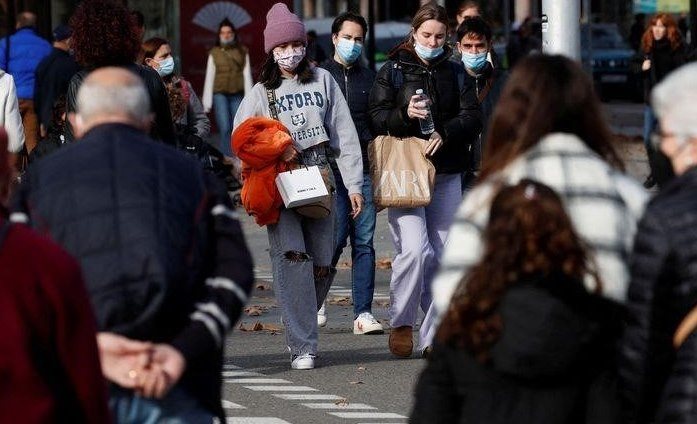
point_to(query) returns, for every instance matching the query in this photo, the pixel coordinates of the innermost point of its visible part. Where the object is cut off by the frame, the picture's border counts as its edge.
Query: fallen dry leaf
(383, 303)
(343, 265)
(255, 310)
(361, 368)
(263, 286)
(383, 263)
(342, 402)
(340, 300)
(355, 382)
(258, 326)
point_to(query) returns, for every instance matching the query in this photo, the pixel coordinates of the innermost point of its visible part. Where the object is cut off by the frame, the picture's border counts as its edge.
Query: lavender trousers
(419, 235)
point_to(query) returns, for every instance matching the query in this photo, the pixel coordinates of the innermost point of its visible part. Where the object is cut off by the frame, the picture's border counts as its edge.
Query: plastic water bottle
(427, 125)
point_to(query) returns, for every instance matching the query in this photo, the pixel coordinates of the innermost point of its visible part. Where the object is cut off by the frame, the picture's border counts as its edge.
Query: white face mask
(290, 58)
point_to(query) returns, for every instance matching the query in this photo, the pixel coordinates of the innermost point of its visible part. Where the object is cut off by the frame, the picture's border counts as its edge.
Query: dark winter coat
(162, 128)
(663, 290)
(355, 83)
(553, 363)
(496, 78)
(664, 60)
(455, 109)
(163, 256)
(53, 76)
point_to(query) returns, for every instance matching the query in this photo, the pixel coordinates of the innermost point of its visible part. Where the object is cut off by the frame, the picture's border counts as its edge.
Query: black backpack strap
(397, 76)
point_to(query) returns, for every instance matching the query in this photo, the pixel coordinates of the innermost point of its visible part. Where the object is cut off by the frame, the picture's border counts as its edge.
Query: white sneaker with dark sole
(322, 316)
(306, 361)
(367, 324)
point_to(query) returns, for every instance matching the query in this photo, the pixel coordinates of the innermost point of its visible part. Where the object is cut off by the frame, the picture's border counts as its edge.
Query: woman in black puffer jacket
(422, 62)
(659, 376)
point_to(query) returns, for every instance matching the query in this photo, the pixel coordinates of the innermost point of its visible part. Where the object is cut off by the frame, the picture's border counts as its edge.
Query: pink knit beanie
(282, 27)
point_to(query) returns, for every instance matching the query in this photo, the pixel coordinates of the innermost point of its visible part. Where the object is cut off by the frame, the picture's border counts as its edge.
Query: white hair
(126, 97)
(674, 101)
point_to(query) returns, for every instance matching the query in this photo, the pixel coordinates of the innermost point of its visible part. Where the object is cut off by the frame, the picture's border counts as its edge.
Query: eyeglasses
(657, 137)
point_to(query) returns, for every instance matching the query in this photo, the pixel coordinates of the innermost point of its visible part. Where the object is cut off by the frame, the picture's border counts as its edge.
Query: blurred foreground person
(50, 366)
(523, 340)
(659, 352)
(548, 126)
(163, 256)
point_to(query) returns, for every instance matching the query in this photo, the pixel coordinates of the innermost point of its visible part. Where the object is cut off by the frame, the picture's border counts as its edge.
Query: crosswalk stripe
(311, 396)
(281, 388)
(255, 420)
(332, 405)
(257, 381)
(232, 405)
(230, 374)
(231, 367)
(368, 415)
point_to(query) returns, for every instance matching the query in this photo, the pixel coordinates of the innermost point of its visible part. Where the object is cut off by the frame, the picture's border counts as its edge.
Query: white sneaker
(306, 361)
(367, 324)
(322, 316)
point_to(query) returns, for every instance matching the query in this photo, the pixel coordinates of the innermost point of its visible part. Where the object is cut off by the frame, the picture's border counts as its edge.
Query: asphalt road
(356, 380)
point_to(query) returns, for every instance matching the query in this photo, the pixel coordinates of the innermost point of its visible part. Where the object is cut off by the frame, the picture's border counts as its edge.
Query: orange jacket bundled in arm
(259, 143)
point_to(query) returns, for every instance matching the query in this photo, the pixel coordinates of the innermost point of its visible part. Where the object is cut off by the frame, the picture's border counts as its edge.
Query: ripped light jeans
(301, 252)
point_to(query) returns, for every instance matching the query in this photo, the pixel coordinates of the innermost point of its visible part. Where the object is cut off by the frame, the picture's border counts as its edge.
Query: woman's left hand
(434, 143)
(356, 204)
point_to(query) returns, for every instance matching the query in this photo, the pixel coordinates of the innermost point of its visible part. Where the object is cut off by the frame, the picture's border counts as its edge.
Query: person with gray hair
(162, 253)
(659, 350)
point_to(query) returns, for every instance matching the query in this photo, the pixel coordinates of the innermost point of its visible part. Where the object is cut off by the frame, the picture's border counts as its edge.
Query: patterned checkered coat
(603, 203)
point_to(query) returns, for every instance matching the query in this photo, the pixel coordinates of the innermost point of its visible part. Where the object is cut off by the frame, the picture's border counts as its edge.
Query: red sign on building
(199, 22)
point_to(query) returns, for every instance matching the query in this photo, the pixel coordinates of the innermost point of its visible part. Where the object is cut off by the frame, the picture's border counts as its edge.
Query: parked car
(387, 35)
(610, 59)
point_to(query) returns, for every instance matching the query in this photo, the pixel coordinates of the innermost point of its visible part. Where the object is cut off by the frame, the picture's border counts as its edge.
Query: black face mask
(661, 168)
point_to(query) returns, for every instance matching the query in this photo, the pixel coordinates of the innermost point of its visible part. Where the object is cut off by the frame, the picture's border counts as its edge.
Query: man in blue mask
(474, 44)
(355, 80)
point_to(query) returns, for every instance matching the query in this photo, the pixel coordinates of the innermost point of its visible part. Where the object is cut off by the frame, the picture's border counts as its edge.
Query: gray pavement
(356, 379)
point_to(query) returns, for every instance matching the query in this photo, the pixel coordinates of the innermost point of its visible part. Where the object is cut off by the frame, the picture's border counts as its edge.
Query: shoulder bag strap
(271, 97)
(686, 327)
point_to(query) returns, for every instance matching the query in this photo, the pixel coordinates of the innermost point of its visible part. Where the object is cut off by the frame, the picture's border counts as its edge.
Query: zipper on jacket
(346, 87)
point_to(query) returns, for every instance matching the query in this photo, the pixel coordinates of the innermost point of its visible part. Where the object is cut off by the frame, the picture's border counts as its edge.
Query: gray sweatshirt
(313, 113)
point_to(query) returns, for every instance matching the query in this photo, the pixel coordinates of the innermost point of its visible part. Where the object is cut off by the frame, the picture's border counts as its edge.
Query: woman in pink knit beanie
(308, 101)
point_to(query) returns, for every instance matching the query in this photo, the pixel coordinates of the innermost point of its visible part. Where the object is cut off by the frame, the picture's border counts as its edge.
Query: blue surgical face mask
(427, 53)
(166, 66)
(474, 61)
(348, 50)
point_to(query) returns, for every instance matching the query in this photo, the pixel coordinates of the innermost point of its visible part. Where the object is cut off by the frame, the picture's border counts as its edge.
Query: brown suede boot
(401, 343)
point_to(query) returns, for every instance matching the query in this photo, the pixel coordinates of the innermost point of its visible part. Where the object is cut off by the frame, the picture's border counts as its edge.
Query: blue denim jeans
(178, 407)
(649, 126)
(301, 250)
(360, 232)
(225, 107)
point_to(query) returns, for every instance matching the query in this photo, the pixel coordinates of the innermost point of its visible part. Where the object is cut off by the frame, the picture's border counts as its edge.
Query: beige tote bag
(402, 175)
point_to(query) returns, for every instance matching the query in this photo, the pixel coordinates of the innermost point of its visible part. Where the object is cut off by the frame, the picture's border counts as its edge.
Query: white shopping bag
(301, 186)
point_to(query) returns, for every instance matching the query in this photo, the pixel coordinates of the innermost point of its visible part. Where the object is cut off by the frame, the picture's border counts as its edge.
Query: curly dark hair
(529, 235)
(105, 33)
